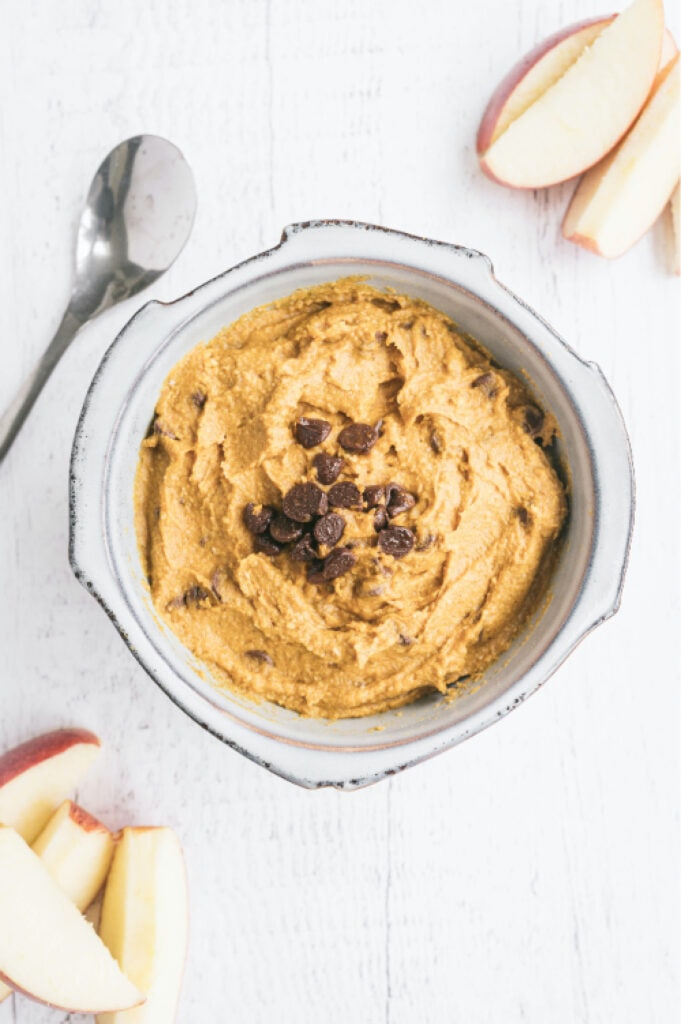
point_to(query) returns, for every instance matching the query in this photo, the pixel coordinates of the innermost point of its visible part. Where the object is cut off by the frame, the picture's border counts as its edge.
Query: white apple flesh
(676, 229)
(144, 921)
(669, 50)
(619, 199)
(48, 951)
(36, 776)
(584, 114)
(536, 72)
(76, 849)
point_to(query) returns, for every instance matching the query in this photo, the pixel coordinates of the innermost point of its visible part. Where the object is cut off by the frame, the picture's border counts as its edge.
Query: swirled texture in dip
(462, 436)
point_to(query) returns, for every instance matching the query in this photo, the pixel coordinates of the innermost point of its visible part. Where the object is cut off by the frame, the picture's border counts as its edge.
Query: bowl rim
(434, 739)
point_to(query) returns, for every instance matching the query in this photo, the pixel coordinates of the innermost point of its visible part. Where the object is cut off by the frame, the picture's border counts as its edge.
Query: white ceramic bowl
(593, 445)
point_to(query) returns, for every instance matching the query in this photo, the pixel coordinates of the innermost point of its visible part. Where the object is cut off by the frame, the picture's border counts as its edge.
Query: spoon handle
(12, 420)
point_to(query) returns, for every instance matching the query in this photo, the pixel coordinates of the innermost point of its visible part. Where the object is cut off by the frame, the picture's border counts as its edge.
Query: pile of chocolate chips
(306, 520)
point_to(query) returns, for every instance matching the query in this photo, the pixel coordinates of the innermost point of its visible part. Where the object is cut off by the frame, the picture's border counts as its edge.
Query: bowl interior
(510, 348)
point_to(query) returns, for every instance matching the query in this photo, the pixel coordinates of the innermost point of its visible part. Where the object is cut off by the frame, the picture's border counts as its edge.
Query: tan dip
(343, 504)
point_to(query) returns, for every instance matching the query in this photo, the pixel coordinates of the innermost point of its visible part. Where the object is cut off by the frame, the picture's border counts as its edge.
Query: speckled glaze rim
(314, 765)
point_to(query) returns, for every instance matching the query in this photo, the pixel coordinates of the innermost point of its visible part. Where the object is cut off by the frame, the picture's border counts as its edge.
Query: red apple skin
(493, 177)
(586, 243)
(39, 749)
(85, 820)
(22, 991)
(517, 73)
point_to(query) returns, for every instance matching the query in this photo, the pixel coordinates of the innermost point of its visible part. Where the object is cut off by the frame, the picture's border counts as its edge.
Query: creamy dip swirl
(462, 436)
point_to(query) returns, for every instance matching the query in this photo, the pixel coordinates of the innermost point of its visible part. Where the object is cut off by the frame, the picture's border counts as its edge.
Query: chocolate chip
(345, 495)
(425, 542)
(311, 432)
(303, 551)
(304, 501)
(435, 443)
(389, 304)
(257, 517)
(338, 563)
(199, 399)
(399, 500)
(406, 641)
(523, 515)
(328, 467)
(195, 594)
(261, 656)
(315, 572)
(374, 495)
(396, 541)
(264, 545)
(380, 519)
(329, 529)
(358, 437)
(487, 382)
(161, 428)
(380, 337)
(534, 420)
(284, 530)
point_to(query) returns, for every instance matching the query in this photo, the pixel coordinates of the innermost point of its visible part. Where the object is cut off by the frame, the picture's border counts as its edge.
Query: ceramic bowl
(593, 447)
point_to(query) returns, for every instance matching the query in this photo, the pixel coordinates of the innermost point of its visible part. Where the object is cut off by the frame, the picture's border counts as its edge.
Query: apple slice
(540, 69)
(581, 117)
(619, 199)
(669, 50)
(676, 229)
(144, 921)
(36, 776)
(533, 75)
(76, 849)
(48, 951)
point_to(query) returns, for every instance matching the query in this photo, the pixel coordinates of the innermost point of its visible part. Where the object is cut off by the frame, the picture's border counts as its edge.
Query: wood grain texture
(527, 876)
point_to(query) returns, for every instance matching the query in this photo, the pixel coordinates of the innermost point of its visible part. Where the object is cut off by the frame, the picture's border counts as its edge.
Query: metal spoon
(137, 218)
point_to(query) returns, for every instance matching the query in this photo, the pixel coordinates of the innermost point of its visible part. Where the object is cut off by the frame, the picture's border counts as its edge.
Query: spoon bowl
(137, 218)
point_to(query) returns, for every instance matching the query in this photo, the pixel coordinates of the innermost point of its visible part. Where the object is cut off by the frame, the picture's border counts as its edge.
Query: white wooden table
(529, 875)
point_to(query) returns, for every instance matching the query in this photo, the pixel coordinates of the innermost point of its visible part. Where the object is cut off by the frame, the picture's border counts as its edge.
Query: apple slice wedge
(144, 921)
(76, 849)
(48, 951)
(36, 776)
(536, 72)
(619, 199)
(539, 69)
(585, 113)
